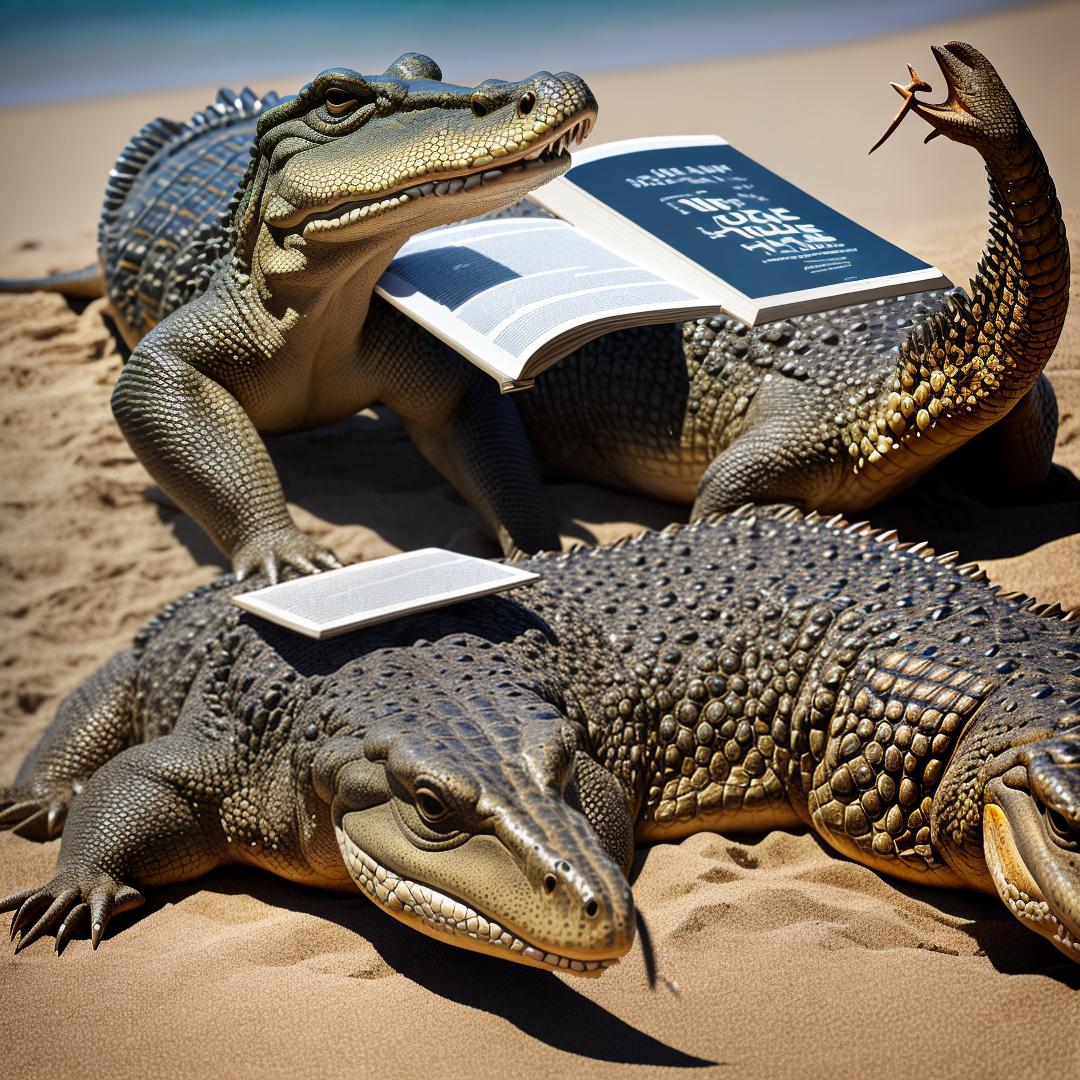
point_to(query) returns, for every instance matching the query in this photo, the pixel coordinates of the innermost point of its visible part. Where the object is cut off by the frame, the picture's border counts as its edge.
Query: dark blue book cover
(740, 221)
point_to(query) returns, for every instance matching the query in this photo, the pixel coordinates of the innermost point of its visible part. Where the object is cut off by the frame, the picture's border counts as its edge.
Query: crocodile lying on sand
(840, 410)
(481, 772)
(245, 245)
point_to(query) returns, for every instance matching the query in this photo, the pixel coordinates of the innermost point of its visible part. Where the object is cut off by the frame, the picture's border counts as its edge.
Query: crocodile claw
(978, 108)
(34, 813)
(917, 83)
(285, 549)
(65, 905)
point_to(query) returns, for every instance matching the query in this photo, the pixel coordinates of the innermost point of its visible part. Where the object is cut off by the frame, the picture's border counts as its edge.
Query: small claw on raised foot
(274, 553)
(35, 827)
(16, 813)
(916, 84)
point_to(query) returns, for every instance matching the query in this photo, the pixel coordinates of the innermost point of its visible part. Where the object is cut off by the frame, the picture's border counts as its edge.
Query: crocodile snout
(587, 913)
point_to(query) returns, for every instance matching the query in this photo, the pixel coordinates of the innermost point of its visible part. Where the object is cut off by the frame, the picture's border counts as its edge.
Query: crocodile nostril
(526, 103)
(479, 106)
(551, 883)
(592, 909)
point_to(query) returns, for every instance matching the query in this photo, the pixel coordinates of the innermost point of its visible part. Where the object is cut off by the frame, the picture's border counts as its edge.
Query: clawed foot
(978, 108)
(272, 553)
(72, 903)
(35, 811)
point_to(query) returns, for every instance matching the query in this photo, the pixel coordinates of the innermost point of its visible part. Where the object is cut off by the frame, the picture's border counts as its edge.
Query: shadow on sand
(364, 471)
(542, 1006)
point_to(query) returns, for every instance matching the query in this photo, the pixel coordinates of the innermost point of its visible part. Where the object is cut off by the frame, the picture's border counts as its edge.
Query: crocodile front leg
(92, 725)
(199, 444)
(466, 429)
(1014, 455)
(143, 818)
(483, 451)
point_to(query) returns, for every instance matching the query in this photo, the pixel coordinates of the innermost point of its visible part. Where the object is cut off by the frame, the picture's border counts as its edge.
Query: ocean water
(84, 48)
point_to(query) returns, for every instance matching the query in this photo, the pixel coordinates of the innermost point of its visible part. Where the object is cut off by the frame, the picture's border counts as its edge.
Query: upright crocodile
(239, 252)
(833, 411)
(481, 772)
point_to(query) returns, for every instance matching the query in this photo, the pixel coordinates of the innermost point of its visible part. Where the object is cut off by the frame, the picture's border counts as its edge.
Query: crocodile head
(485, 825)
(978, 110)
(352, 165)
(1007, 813)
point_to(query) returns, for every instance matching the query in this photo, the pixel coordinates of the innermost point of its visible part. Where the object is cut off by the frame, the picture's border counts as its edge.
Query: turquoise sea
(82, 48)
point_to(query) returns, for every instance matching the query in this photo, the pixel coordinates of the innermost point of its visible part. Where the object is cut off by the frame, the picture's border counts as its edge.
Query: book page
(335, 601)
(698, 210)
(516, 294)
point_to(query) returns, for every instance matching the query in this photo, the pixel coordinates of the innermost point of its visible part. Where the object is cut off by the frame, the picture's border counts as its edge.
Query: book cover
(760, 234)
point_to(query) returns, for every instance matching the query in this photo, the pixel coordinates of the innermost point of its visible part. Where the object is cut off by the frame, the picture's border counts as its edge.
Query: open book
(650, 230)
(336, 601)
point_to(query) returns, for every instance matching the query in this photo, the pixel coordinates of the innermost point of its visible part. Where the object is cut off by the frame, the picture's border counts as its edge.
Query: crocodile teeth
(410, 901)
(535, 159)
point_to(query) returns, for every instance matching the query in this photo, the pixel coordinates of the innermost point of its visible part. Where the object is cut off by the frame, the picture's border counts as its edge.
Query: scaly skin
(265, 323)
(841, 410)
(481, 771)
(833, 411)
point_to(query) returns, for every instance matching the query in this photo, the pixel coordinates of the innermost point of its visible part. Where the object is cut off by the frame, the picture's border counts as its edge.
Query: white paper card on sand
(336, 601)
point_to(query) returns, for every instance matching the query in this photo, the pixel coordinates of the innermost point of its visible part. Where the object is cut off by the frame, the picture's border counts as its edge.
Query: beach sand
(774, 957)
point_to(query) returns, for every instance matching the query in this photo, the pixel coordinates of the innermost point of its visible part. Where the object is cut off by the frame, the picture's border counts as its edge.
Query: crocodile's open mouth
(1017, 888)
(446, 918)
(545, 157)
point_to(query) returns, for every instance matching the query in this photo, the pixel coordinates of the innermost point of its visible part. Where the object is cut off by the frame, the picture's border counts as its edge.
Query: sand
(774, 957)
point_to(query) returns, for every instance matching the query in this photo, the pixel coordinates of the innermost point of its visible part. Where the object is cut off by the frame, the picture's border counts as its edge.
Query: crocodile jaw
(1015, 885)
(490, 177)
(446, 918)
(520, 172)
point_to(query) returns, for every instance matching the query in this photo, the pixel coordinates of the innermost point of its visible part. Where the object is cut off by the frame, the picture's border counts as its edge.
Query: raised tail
(85, 284)
(964, 367)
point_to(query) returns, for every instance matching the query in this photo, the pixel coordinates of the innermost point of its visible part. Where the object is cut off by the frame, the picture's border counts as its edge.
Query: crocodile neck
(306, 306)
(966, 366)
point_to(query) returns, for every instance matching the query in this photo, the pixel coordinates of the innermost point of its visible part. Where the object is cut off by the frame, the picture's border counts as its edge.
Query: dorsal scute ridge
(164, 135)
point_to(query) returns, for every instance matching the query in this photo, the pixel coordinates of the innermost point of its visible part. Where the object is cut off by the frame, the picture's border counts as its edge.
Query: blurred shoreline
(809, 114)
(69, 50)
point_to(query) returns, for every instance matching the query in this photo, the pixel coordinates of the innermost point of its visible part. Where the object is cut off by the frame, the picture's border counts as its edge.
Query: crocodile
(239, 252)
(833, 411)
(482, 772)
(837, 411)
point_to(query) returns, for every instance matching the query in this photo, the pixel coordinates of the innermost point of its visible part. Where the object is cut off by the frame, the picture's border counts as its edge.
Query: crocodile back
(165, 222)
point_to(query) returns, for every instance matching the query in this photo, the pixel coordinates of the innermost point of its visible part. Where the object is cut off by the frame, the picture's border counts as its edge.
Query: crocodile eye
(526, 103)
(338, 101)
(430, 804)
(479, 105)
(1057, 825)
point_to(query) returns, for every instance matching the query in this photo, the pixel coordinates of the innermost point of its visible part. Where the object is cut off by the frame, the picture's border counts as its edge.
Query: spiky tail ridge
(964, 367)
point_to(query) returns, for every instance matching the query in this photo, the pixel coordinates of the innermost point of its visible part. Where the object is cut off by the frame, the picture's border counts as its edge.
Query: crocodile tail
(85, 284)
